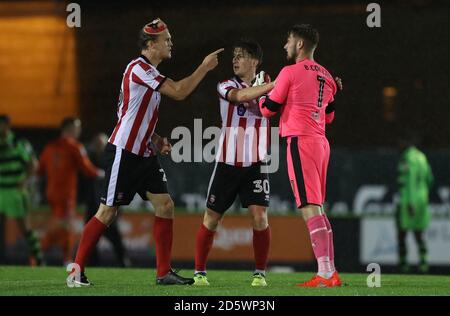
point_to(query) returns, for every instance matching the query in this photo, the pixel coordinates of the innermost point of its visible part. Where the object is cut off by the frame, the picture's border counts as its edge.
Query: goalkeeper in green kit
(415, 179)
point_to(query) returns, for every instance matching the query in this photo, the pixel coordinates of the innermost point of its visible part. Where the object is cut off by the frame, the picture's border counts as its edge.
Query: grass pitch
(109, 281)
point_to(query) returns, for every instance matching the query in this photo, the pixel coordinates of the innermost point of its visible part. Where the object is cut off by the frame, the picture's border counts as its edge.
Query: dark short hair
(4, 118)
(251, 47)
(68, 122)
(308, 33)
(144, 38)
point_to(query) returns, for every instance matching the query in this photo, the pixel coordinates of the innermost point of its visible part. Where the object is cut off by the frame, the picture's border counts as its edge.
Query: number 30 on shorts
(261, 185)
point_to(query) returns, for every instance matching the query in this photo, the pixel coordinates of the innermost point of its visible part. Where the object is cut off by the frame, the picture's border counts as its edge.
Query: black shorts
(227, 182)
(127, 174)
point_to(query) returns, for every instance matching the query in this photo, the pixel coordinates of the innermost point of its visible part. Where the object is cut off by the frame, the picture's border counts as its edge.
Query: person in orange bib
(60, 162)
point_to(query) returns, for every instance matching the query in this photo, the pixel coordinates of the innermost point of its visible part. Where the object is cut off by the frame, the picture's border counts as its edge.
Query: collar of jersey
(146, 59)
(241, 81)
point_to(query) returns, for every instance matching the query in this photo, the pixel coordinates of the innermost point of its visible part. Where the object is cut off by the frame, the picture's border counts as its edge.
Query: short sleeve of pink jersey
(149, 77)
(280, 92)
(224, 87)
(334, 88)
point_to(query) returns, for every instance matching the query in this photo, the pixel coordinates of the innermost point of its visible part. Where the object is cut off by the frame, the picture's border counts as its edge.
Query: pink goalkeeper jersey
(304, 90)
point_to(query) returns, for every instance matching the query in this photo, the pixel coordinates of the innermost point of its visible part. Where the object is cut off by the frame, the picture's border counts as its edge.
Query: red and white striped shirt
(245, 135)
(137, 110)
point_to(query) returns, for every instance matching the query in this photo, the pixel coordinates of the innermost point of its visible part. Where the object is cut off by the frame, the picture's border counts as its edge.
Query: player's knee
(260, 221)
(165, 207)
(259, 217)
(211, 223)
(211, 220)
(106, 214)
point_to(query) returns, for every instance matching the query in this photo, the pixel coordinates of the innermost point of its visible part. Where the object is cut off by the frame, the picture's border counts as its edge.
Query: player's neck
(302, 56)
(248, 78)
(152, 58)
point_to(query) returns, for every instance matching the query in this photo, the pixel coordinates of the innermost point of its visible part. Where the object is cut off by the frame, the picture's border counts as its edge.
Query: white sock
(201, 272)
(325, 270)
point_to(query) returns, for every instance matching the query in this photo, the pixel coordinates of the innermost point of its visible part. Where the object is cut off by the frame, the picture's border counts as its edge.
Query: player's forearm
(248, 94)
(185, 86)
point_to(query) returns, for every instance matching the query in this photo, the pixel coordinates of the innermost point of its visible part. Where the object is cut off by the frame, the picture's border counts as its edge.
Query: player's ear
(151, 44)
(300, 44)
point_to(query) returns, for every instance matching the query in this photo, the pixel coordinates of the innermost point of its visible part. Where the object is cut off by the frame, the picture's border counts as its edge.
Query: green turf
(108, 281)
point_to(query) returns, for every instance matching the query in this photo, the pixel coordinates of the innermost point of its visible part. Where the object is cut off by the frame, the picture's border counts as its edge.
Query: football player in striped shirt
(130, 156)
(238, 170)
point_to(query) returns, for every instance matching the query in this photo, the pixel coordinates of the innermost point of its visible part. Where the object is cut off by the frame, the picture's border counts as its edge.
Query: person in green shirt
(17, 164)
(414, 179)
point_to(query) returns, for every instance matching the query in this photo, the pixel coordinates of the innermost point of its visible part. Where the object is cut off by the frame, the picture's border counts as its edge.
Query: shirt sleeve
(147, 76)
(224, 87)
(280, 92)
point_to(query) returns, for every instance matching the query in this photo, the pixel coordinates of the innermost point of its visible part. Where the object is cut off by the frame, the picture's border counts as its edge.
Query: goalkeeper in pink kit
(303, 94)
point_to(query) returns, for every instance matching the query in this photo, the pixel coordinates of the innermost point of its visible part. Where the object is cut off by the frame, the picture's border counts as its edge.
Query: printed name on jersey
(317, 68)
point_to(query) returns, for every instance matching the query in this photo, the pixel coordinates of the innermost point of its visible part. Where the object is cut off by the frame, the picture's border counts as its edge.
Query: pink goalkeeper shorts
(307, 161)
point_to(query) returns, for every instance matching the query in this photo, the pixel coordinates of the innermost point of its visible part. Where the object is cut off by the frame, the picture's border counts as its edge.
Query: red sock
(330, 240)
(319, 241)
(89, 238)
(204, 242)
(261, 244)
(163, 235)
